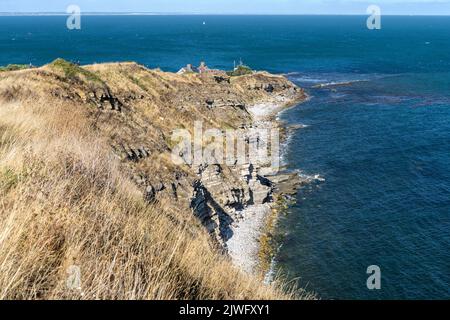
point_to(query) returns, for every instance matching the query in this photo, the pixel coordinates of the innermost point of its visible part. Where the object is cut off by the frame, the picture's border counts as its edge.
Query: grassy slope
(66, 199)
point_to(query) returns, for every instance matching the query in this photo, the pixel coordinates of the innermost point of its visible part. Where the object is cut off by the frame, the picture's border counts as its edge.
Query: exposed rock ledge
(235, 212)
(243, 247)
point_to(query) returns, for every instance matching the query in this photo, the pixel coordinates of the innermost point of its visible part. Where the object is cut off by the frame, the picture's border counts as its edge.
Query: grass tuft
(73, 71)
(8, 179)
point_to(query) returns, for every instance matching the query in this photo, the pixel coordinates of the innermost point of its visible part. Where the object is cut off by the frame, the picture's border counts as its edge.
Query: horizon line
(144, 13)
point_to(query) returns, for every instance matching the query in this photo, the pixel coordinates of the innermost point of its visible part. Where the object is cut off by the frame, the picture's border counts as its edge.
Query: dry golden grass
(64, 201)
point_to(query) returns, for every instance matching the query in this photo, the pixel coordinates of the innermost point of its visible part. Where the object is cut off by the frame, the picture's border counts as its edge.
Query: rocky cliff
(135, 111)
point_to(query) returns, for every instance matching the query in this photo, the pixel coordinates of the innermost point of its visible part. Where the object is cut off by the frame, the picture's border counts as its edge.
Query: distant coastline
(37, 14)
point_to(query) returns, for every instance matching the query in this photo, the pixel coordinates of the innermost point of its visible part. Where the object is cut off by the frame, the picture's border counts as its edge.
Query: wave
(299, 126)
(324, 80)
(288, 139)
(295, 77)
(310, 178)
(338, 83)
(270, 275)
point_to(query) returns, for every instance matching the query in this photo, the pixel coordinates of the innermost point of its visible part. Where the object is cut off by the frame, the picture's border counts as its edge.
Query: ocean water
(381, 143)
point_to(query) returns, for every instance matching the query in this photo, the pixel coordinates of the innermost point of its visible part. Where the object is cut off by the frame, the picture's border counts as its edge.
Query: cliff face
(136, 110)
(133, 111)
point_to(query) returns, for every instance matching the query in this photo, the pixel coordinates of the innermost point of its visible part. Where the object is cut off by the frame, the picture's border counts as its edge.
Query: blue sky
(233, 6)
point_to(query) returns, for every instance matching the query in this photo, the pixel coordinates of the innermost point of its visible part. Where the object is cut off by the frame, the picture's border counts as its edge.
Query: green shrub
(14, 67)
(240, 71)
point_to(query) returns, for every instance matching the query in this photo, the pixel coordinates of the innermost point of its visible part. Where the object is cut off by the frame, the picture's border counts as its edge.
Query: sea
(375, 135)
